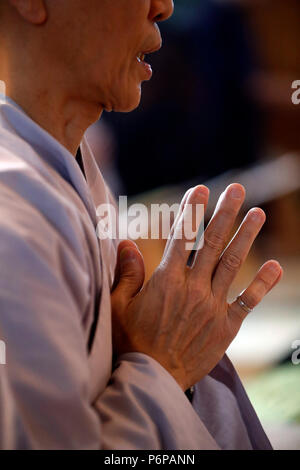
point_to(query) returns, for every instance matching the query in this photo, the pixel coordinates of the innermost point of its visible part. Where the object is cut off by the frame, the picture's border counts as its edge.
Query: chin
(130, 103)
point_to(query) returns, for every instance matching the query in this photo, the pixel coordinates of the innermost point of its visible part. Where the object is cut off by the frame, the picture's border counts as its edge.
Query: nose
(161, 10)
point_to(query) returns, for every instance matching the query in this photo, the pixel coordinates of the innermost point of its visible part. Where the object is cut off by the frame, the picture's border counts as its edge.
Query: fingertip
(258, 214)
(274, 267)
(121, 245)
(127, 254)
(202, 190)
(280, 276)
(236, 191)
(127, 244)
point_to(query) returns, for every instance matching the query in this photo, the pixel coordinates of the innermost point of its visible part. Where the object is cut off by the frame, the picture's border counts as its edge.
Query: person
(93, 359)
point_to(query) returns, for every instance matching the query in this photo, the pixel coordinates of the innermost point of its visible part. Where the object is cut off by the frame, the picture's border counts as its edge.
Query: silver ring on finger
(243, 305)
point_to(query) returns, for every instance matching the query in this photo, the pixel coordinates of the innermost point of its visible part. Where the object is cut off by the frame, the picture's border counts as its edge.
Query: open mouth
(147, 70)
(141, 57)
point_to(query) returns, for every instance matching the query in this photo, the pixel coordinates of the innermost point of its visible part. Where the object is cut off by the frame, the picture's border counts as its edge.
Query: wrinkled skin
(78, 58)
(181, 317)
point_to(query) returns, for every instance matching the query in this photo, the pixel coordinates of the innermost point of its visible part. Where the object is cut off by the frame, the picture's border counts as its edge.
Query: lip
(154, 49)
(147, 70)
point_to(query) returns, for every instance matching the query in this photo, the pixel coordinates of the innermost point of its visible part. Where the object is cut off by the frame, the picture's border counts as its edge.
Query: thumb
(130, 272)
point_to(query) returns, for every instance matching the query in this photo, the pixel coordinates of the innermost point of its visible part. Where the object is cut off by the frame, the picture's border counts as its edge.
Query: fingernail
(200, 191)
(126, 256)
(275, 267)
(257, 214)
(236, 193)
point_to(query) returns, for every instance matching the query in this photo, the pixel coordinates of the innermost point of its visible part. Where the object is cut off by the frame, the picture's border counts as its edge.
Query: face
(98, 46)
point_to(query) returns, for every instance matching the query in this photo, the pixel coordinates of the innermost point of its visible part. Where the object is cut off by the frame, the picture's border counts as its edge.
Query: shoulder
(35, 202)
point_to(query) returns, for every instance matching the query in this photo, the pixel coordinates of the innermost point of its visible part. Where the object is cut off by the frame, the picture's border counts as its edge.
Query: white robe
(55, 279)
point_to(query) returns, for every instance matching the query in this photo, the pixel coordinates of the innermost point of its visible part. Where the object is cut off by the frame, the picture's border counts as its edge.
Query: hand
(181, 317)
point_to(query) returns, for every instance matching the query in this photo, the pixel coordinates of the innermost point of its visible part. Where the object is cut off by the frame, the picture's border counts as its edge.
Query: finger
(267, 277)
(178, 215)
(218, 230)
(190, 218)
(122, 245)
(237, 251)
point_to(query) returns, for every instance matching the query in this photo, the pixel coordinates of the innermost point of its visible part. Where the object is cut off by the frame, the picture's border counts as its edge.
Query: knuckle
(266, 280)
(226, 212)
(265, 283)
(231, 261)
(214, 241)
(197, 293)
(167, 277)
(248, 231)
(251, 299)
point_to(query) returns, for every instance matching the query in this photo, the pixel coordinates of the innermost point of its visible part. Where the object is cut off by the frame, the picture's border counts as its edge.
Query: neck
(54, 104)
(65, 118)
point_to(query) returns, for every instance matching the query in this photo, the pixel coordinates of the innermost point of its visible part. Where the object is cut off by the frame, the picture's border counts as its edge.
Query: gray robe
(55, 281)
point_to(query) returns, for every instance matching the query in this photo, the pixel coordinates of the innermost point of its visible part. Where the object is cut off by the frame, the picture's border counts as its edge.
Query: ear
(33, 11)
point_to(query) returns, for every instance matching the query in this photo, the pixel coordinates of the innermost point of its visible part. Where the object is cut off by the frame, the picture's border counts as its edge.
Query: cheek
(126, 75)
(126, 91)
(120, 70)
(118, 83)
